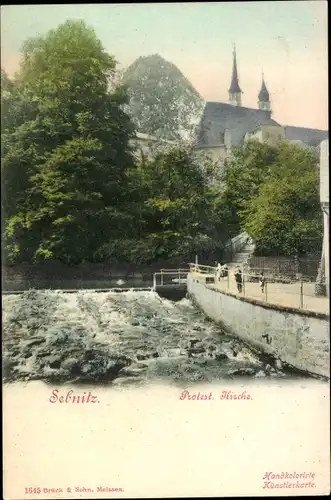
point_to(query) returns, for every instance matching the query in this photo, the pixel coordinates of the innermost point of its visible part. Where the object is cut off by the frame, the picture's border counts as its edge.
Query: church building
(227, 125)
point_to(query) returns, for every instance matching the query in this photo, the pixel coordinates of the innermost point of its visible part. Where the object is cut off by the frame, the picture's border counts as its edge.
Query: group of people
(222, 271)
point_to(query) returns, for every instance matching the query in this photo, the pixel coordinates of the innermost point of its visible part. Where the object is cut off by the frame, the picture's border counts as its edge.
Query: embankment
(297, 337)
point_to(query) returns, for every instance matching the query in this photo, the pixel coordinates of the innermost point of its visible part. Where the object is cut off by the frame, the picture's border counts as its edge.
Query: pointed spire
(234, 87)
(263, 94)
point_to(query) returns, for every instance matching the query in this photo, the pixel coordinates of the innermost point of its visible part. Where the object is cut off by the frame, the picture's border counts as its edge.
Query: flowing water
(132, 337)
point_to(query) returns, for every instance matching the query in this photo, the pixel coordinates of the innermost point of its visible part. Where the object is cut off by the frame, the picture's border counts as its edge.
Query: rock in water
(162, 101)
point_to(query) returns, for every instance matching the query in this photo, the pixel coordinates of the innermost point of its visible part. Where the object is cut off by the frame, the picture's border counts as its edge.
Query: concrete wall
(148, 145)
(271, 134)
(298, 338)
(215, 153)
(237, 243)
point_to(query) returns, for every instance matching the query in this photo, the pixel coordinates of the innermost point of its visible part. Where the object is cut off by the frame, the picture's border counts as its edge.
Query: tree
(162, 101)
(249, 167)
(284, 217)
(66, 148)
(176, 213)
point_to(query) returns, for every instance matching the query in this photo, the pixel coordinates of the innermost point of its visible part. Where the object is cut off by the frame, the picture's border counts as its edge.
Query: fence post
(161, 277)
(265, 290)
(154, 282)
(301, 294)
(243, 279)
(179, 277)
(228, 279)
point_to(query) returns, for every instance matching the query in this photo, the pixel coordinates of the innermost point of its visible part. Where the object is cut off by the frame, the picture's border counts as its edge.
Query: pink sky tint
(295, 100)
(297, 83)
(287, 39)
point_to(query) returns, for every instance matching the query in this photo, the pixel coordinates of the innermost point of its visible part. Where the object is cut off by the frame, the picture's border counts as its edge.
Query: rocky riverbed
(118, 338)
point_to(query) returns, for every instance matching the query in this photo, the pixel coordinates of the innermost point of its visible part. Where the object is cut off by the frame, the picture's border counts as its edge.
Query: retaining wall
(296, 337)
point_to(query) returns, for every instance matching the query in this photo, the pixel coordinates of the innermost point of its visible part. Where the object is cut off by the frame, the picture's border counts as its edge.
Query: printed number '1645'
(32, 490)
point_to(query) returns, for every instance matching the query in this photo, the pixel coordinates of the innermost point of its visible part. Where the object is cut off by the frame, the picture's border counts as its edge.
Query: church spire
(263, 97)
(235, 90)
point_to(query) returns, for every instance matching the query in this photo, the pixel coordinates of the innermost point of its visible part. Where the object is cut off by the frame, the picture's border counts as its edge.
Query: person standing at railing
(239, 279)
(262, 281)
(225, 271)
(218, 272)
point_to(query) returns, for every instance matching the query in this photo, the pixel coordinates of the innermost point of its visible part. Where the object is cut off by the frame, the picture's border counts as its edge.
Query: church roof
(263, 94)
(310, 136)
(234, 87)
(218, 116)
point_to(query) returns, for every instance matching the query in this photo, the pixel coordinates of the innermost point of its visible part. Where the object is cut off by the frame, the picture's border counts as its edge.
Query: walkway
(287, 295)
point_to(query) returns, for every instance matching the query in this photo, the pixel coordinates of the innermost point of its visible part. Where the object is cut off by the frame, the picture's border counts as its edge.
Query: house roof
(218, 116)
(310, 136)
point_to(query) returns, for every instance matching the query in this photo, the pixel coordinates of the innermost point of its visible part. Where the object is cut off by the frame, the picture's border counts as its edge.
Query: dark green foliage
(72, 190)
(275, 196)
(66, 149)
(176, 212)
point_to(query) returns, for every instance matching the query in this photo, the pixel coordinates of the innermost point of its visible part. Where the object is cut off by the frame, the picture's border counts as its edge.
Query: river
(127, 339)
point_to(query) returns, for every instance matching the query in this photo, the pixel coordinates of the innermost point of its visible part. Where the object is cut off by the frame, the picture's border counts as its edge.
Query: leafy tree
(284, 217)
(249, 167)
(177, 214)
(162, 101)
(66, 146)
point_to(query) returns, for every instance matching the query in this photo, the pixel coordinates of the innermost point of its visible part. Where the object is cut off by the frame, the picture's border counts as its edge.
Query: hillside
(162, 101)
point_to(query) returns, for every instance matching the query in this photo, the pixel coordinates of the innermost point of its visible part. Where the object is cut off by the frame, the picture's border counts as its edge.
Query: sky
(285, 39)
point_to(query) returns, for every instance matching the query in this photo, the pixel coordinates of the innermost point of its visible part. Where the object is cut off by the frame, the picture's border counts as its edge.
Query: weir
(171, 283)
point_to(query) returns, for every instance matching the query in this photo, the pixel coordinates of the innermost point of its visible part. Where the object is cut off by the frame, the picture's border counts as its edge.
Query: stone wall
(90, 275)
(296, 337)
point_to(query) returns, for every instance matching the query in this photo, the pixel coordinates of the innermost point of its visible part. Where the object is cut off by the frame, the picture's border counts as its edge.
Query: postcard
(165, 250)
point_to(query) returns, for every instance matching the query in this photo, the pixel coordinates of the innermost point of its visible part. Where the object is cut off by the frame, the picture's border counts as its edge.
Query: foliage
(74, 191)
(162, 101)
(176, 213)
(66, 148)
(276, 198)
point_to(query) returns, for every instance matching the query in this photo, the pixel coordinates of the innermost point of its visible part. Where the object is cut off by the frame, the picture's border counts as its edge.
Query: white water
(128, 324)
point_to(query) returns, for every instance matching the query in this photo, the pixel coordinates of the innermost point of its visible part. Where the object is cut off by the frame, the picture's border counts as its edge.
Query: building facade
(239, 123)
(147, 146)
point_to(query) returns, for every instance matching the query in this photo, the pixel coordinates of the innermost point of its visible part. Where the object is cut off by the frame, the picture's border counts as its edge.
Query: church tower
(264, 99)
(234, 90)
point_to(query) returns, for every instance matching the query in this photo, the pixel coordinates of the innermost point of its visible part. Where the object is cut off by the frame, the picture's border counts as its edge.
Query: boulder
(198, 349)
(219, 355)
(147, 355)
(70, 364)
(242, 371)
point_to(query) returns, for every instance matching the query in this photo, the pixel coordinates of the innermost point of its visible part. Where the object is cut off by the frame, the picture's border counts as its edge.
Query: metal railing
(292, 292)
(177, 277)
(200, 268)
